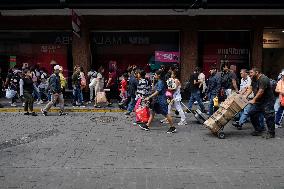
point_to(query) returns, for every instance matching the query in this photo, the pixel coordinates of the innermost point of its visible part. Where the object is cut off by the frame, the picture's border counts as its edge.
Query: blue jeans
(195, 96)
(269, 114)
(279, 115)
(131, 104)
(77, 95)
(244, 115)
(211, 103)
(36, 94)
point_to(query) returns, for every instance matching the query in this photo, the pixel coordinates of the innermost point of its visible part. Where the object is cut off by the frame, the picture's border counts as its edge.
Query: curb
(13, 110)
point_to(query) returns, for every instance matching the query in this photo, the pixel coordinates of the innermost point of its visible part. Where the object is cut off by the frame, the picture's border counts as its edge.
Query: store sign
(233, 51)
(163, 56)
(275, 41)
(119, 40)
(49, 48)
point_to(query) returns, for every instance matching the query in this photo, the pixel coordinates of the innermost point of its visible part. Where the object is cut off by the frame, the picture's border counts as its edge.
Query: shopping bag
(142, 114)
(10, 93)
(101, 97)
(281, 100)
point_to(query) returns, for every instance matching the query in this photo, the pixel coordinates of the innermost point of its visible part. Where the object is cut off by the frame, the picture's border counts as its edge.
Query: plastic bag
(142, 114)
(10, 93)
(101, 97)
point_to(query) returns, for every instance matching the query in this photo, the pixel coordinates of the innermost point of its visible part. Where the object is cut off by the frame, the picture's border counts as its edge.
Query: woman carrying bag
(98, 84)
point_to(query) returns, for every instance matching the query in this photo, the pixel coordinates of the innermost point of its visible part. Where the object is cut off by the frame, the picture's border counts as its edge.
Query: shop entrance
(146, 49)
(219, 47)
(273, 52)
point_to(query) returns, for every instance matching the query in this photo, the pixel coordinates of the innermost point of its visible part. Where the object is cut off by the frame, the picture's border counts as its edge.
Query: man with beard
(263, 102)
(213, 88)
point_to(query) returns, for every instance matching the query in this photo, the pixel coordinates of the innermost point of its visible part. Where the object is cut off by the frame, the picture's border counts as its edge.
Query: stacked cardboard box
(228, 109)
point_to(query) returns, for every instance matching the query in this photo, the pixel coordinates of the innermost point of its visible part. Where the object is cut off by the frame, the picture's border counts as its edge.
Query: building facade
(145, 37)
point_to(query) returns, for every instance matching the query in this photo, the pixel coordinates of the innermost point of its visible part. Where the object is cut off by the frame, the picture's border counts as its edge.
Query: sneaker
(33, 114)
(163, 120)
(182, 123)
(172, 130)
(61, 113)
(144, 127)
(82, 106)
(44, 113)
(268, 136)
(40, 102)
(23, 104)
(97, 106)
(236, 124)
(277, 126)
(27, 113)
(257, 133)
(13, 105)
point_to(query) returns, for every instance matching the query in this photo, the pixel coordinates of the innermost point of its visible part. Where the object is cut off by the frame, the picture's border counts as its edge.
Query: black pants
(29, 102)
(113, 93)
(269, 114)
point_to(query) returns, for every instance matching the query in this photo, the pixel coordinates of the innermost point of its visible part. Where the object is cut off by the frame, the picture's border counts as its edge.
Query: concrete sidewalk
(68, 107)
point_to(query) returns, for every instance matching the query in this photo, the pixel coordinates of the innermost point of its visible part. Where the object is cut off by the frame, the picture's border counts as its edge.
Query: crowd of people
(159, 92)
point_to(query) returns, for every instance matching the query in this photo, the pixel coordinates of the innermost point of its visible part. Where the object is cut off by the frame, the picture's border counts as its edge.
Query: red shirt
(123, 84)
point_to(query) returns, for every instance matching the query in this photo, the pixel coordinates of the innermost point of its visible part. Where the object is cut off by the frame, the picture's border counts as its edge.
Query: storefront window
(147, 50)
(34, 49)
(220, 47)
(273, 52)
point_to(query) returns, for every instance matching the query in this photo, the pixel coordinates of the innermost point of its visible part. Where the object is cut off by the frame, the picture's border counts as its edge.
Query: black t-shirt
(263, 83)
(194, 87)
(28, 85)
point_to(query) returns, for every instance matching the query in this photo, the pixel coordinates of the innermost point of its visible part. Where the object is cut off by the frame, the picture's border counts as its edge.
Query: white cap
(282, 73)
(57, 67)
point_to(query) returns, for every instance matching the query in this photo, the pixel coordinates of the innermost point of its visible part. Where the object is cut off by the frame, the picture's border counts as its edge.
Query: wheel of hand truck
(221, 135)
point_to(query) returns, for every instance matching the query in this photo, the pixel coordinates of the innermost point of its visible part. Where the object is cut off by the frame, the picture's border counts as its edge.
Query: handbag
(10, 93)
(101, 97)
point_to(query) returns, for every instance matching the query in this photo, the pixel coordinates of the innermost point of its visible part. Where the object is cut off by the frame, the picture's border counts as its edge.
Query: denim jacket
(54, 83)
(214, 84)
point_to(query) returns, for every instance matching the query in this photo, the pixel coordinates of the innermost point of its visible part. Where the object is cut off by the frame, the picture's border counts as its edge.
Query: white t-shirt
(246, 83)
(201, 77)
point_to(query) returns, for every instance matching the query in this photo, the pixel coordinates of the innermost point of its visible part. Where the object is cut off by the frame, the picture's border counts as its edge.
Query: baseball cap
(57, 67)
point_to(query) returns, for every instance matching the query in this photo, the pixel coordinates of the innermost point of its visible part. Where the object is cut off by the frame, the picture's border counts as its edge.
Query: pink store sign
(163, 56)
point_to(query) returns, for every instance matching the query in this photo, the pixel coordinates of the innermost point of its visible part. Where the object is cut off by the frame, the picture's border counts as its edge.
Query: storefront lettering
(49, 48)
(233, 51)
(108, 40)
(271, 41)
(112, 40)
(139, 40)
(63, 40)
